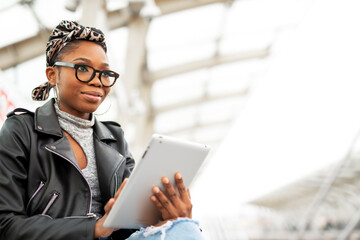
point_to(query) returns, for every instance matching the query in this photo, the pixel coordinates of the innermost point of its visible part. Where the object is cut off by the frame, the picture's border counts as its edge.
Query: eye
(83, 68)
(108, 74)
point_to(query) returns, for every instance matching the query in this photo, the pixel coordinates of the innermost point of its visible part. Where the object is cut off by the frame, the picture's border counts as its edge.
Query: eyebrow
(88, 61)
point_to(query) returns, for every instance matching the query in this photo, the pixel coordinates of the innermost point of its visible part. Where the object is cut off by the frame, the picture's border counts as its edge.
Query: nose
(96, 80)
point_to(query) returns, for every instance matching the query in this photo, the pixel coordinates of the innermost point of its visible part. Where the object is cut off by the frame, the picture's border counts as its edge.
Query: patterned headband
(65, 32)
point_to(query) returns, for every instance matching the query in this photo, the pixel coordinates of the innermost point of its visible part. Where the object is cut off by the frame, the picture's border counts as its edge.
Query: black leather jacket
(43, 194)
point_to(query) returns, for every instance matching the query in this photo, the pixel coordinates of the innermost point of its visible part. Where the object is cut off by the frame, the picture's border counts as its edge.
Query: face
(79, 98)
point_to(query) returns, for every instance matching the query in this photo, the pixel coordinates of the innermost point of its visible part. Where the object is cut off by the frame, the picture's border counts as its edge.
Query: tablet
(164, 156)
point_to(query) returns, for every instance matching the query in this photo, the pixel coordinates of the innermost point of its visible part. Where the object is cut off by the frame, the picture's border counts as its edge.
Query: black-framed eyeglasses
(85, 73)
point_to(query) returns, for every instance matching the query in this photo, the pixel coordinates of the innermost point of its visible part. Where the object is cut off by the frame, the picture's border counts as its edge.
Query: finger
(188, 192)
(165, 202)
(121, 188)
(159, 206)
(173, 196)
(109, 205)
(181, 187)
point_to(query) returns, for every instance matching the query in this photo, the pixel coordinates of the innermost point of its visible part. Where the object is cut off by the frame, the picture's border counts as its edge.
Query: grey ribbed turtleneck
(81, 130)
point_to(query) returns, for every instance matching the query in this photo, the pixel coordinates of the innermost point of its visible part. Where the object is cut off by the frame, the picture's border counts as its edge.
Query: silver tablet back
(164, 156)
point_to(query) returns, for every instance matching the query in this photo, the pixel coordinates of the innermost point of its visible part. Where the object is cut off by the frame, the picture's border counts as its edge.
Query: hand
(173, 206)
(100, 230)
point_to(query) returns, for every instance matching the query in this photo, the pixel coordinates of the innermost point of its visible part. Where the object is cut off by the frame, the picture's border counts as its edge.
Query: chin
(90, 108)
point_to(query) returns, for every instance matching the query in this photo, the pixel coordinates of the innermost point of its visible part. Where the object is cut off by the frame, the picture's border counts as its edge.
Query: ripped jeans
(182, 228)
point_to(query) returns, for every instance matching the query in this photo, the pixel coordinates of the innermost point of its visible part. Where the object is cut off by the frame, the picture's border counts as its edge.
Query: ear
(51, 75)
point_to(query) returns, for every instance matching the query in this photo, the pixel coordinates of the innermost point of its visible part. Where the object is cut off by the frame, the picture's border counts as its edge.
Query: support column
(136, 86)
(94, 14)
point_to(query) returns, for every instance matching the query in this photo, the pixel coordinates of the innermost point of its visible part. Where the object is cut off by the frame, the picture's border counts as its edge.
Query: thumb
(109, 205)
(121, 188)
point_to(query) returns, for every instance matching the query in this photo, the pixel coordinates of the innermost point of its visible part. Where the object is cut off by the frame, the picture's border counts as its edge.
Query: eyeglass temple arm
(64, 64)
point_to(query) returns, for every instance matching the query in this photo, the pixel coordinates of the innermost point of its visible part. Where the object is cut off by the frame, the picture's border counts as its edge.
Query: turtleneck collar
(79, 122)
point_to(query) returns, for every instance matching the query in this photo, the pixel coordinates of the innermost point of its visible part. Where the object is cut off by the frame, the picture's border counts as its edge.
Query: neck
(75, 119)
(73, 112)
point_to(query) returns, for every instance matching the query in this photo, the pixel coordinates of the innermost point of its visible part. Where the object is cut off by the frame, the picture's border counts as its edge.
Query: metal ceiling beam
(32, 47)
(171, 6)
(208, 62)
(24, 50)
(29, 48)
(201, 100)
(289, 194)
(119, 18)
(195, 127)
(138, 93)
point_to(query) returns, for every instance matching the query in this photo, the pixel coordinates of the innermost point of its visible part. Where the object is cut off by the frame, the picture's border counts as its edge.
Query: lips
(93, 93)
(93, 96)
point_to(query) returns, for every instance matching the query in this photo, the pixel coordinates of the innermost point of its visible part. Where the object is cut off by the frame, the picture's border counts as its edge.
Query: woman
(60, 168)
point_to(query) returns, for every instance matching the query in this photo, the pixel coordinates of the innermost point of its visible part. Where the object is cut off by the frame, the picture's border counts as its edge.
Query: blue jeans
(182, 228)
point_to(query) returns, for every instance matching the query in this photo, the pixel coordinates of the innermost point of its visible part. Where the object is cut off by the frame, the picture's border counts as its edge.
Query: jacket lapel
(108, 160)
(46, 120)
(63, 149)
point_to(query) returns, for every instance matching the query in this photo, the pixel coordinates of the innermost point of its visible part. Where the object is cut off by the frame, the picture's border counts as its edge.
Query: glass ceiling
(231, 45)
(228, 46)
(188, 104)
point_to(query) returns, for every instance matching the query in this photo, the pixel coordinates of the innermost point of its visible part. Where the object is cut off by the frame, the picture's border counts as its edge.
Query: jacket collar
(46, 121)
(102, 132)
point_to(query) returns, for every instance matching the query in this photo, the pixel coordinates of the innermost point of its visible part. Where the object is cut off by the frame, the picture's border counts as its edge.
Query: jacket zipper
(116, 177)
(79, 170)
(89, 215)
(41, 185)
(116, 184)
(50, 203)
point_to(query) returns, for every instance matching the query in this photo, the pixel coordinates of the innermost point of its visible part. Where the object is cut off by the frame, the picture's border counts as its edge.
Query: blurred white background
(272, 86)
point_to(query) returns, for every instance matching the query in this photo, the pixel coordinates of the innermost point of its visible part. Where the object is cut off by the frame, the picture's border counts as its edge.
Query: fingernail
(165, 180)
(156, 190)
(178, 175)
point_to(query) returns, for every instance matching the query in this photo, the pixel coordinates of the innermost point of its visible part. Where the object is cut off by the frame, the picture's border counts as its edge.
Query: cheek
(68, 91)
(62, 87)
(67, 85)
(61, 83)
(106, 92)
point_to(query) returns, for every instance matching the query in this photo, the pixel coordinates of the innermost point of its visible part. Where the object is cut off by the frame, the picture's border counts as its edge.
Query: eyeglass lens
(86, 73)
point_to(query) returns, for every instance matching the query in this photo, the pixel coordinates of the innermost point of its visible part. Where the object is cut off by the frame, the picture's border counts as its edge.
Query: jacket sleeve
(130, 162)
(122, 147)
(14, 223)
